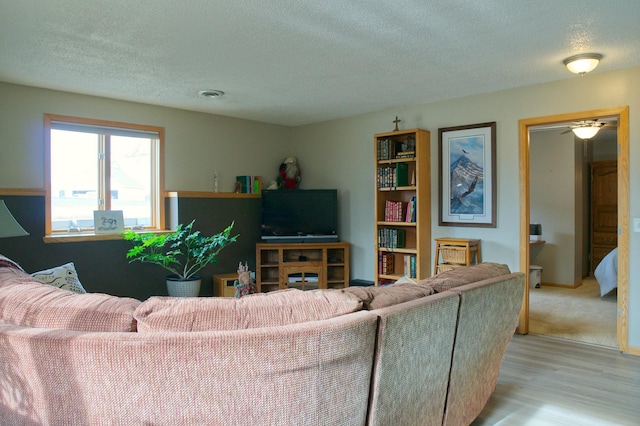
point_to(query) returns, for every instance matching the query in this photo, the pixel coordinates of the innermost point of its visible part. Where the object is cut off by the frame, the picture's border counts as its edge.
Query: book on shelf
(250, 184)
(406, 154)
(389, 149)
(393, 176)
(386, 264)
(402, 174)
(391, 238)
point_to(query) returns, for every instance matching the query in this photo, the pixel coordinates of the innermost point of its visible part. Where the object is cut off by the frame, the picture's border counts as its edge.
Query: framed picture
(108, 221)
(467, 175)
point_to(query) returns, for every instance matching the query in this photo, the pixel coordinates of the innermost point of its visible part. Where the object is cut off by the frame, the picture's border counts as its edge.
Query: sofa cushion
(388, 295)
(38, 305)
(276, 308)
(10, 275)
(64, 277)
(465, 275)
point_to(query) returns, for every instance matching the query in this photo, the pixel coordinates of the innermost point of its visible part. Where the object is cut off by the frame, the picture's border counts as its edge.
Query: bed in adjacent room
(606, 272)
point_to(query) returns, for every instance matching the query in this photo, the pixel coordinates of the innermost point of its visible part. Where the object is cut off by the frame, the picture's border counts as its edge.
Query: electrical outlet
(636, 224)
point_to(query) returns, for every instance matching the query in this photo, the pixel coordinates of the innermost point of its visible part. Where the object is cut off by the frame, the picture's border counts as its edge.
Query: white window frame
(52, 121)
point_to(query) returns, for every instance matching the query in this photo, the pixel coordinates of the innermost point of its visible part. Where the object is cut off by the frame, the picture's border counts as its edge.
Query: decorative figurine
(289, 174)
(244, 284)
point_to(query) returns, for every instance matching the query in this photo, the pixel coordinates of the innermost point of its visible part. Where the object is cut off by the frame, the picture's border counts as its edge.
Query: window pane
(74, 179)
(131, 179)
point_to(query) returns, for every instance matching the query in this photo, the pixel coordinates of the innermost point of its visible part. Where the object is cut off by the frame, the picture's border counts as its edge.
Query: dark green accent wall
(102, 266)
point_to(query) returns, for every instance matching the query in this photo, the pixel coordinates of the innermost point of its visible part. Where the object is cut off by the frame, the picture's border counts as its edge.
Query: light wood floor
(547, 381)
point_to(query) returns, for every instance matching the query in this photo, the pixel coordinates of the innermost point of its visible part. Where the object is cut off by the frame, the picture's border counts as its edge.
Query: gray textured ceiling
(294, 62)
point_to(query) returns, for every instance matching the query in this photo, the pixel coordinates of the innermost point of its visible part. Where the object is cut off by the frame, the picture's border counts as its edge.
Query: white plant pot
(183, 288)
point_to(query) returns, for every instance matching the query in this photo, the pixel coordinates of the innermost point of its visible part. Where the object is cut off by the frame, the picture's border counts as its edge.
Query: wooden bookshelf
(402, 168)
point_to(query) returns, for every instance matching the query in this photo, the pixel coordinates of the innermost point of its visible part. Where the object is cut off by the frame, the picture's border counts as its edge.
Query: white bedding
(607, 272)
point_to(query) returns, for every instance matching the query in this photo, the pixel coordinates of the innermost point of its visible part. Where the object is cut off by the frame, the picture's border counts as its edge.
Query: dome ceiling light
(587, 129)
(582, 63)
(586, 132)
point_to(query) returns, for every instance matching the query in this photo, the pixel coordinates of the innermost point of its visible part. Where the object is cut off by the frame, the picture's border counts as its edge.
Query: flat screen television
(299, 215)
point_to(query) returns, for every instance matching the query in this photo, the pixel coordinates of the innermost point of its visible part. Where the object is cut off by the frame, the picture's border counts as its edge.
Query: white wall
(340, 153)
(556, 194)
(553, 204)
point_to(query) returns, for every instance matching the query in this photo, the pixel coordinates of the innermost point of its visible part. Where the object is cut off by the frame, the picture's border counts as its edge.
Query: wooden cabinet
(305, 266)
(455, 252)
(402, 205)
(604, 210)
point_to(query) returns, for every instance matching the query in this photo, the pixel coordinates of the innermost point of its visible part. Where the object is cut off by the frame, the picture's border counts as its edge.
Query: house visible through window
(100, 165)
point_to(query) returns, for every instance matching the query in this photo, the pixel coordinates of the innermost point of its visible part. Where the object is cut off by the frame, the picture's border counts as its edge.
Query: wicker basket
(443, 267)
(454, 255)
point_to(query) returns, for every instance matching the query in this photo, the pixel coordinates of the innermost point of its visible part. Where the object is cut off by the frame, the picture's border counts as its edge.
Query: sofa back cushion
(257, 310)
(487, 318)
(5, 262)
(465, 275)
(33, 304)
(388, 295)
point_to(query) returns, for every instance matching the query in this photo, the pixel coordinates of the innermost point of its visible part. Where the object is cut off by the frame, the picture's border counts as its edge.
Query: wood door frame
(622, 115)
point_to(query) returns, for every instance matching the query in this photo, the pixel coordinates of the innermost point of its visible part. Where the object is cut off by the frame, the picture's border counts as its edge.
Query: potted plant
(183, 252)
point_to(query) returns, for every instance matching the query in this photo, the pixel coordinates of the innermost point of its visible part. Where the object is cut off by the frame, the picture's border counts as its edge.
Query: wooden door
(604, 210)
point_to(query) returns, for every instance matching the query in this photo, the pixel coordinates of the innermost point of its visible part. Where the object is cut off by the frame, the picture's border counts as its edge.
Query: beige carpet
(578, 314)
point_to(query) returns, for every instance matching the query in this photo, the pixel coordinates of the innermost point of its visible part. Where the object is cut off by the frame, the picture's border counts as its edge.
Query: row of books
(389, 149)
(393, 176)
(386, 264)
(394, 211)
(409, 263)
(410, 212)
(391, 238)
(398, 211)
(249, 184)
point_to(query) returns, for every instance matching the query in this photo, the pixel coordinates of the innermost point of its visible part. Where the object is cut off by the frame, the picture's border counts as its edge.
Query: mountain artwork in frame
(467, 175)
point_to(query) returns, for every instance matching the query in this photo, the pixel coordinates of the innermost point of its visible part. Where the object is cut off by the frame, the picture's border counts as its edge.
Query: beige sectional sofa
(405, 354)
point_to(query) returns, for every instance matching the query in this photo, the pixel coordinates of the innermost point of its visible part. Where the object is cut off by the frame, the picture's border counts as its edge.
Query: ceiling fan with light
(586, 129)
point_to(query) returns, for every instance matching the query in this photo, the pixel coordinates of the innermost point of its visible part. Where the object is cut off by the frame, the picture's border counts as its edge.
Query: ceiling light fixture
(212, 94)
(582, 63)
(586, 132)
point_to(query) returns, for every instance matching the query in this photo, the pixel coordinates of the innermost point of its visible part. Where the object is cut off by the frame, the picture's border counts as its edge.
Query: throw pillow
(388, 295)
(64, 277)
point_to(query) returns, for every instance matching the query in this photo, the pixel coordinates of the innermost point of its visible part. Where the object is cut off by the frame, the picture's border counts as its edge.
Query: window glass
(74, 180)
(131, 179)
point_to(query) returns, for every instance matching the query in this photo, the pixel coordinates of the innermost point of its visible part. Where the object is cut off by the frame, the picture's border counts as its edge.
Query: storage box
(535, 276)
(223, 285)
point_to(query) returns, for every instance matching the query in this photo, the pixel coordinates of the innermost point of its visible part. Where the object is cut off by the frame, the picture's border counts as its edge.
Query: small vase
(178, 287)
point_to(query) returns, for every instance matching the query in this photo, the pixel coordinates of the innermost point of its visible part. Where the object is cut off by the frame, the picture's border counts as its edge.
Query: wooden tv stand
(305, 266)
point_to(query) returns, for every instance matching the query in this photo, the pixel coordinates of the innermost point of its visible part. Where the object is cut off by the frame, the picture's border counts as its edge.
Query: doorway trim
(622, 114)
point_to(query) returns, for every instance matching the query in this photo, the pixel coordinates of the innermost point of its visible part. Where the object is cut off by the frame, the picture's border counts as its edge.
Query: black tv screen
(300, 215)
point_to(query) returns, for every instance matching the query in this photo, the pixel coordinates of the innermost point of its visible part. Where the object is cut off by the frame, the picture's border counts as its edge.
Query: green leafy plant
(184, 252)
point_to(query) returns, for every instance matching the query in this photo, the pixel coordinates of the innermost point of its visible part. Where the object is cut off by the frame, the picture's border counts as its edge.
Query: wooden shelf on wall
(23, 191)
(208, 194)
